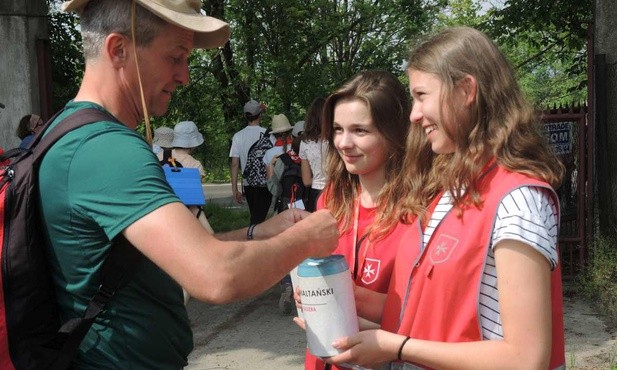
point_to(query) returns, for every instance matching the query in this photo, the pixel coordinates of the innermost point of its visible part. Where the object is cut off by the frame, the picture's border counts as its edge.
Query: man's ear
(469, 86)
(117, 49)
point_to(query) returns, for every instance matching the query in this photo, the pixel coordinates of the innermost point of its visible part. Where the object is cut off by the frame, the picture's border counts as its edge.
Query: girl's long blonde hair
(388, 104)
(501, 125)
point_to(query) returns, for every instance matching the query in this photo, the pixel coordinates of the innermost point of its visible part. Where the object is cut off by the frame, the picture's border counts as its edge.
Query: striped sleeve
(529, 215)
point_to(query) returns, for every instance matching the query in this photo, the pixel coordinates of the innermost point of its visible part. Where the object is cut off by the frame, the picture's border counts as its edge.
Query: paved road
(219, 193)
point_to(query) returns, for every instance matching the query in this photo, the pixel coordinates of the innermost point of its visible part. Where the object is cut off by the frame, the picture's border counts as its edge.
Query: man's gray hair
(103, 17)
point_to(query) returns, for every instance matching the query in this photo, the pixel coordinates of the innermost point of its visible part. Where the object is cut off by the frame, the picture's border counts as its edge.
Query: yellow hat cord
(141, 89)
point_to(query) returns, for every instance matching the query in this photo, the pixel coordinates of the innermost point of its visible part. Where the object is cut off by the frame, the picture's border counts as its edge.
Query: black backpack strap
(286, 158)
(117, 271)
(245, 173)
(42, 142)
(123, 258)
(200, 210)
(166, 156)
(261, 136)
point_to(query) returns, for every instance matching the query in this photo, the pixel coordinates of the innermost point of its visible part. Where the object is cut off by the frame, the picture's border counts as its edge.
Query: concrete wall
(21, 24)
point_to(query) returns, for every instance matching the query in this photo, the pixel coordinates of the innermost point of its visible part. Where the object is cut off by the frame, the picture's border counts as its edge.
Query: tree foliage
(66, 56)
(547, 41)
(287, 52)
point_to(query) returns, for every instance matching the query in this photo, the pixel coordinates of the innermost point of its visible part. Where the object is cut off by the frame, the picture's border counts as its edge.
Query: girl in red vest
(366, 122)
(477, 284)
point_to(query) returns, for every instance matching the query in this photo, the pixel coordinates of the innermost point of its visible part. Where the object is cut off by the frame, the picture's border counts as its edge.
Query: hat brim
(282, 129)
(188, 143)
(210, 32)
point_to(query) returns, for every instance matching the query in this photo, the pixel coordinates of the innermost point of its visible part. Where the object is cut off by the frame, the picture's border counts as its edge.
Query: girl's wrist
(400, 349)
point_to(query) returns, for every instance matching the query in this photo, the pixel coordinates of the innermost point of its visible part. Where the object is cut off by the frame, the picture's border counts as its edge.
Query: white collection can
(328, 302)
(295, 283)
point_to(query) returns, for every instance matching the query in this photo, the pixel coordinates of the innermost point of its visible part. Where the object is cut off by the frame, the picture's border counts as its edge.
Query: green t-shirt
(94, 182)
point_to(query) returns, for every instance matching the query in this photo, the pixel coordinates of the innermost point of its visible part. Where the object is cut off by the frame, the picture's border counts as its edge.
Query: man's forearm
(258, 232)
(236, 235)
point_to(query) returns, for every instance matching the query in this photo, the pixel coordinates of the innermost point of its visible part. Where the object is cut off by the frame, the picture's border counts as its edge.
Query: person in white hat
(102, 182)
(285, 183)
(186, 137)
(281, 129)
(163, 136)
(258, 198)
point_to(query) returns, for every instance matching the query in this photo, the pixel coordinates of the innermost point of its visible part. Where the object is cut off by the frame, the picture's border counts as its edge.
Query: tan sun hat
(280, 123)
(210, 32)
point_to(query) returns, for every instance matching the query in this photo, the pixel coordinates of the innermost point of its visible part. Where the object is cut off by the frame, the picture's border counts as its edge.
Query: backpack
(286, 184)
(255, 170)
(31, 335)
(166, 159)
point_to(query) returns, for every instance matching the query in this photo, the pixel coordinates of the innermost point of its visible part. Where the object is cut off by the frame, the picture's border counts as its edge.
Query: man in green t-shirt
(103, 180)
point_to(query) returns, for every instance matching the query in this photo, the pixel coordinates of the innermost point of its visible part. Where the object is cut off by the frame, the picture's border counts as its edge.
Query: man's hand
(320, 230)
(238, 197)
(279, 223)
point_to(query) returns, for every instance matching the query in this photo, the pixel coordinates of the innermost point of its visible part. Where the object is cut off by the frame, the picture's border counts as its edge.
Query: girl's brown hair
(312, 121)
(502, 124)
(388, 104)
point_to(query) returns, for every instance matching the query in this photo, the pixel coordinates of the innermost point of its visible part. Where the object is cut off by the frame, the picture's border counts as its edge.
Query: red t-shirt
(375, 260)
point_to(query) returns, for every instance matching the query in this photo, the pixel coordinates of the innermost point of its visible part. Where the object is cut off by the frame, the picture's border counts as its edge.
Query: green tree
(287, 52)
(547, 41)
(66, 58)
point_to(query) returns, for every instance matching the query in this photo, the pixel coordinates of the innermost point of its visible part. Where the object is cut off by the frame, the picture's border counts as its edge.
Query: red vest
(375, 261)
(434, 295)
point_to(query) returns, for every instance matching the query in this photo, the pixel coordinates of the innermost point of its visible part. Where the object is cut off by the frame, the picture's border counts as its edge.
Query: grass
(226, 219)
(598, 281)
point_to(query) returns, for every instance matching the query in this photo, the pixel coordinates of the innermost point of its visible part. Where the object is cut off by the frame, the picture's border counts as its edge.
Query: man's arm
(235, 165)
(218, 271)
(267, 229)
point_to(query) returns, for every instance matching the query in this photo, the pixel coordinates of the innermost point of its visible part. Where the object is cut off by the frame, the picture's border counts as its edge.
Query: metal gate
(566, 131)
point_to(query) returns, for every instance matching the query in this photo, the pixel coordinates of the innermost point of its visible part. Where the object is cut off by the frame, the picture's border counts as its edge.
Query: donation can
(328, 303)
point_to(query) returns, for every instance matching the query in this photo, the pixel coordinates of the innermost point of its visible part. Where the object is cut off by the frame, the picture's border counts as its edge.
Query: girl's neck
(370, 188)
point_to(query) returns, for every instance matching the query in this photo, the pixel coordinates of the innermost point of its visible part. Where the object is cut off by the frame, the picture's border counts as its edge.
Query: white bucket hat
(280, 123)
(210, 32)
(186, 135)
(163, 137)
(298, 128)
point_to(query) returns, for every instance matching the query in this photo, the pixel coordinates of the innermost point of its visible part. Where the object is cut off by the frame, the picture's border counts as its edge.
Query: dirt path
(253, 335)
(589, 343)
